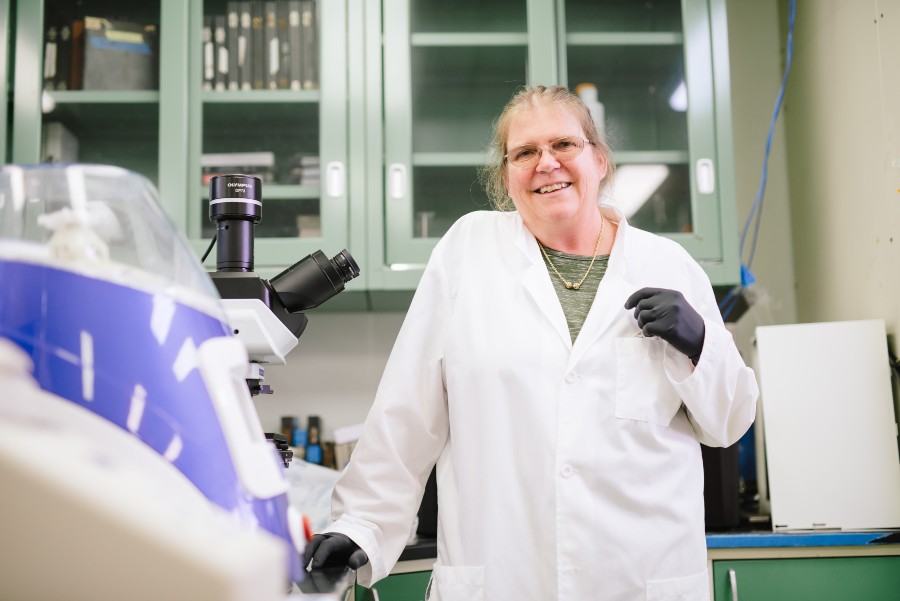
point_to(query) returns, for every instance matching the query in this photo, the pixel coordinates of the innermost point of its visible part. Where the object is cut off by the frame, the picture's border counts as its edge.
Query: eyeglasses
(564, 149)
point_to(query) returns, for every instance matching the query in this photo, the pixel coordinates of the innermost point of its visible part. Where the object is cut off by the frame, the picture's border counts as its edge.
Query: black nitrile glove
(333, 549)
(666, 313)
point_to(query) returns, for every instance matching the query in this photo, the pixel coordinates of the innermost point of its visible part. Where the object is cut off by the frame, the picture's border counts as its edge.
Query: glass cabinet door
(651, 65)
(449, 67)
(87, 84)
(270, 101)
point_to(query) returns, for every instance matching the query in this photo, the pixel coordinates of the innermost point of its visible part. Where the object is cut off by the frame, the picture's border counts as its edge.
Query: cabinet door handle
(706, 176)
(334, 179)
(732, 579)
(397, 181)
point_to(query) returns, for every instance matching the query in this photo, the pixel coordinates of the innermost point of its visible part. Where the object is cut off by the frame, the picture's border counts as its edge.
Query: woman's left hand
(667, 314)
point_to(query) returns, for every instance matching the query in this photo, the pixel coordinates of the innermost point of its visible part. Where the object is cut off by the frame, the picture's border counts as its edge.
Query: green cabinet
(166, 133)
(808, 579)
(397, 587)
(661, 70)
(121, 127)
(400, 118)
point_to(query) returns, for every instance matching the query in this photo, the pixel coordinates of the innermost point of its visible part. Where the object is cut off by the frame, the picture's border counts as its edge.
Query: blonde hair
(492, 174)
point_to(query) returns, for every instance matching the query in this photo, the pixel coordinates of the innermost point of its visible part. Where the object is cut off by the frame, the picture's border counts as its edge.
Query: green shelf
(662, 38)
(449, 159)
(469, 39)
(260, 96)
(105, 96)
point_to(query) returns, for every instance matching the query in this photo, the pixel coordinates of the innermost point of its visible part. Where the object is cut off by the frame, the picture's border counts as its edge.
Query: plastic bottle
(588, 94)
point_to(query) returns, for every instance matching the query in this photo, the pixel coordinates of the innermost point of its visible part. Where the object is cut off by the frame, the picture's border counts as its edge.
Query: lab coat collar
(536, 282)
(615, 288)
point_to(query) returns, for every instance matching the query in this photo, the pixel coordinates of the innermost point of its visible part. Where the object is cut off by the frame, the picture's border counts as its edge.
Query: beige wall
(842, 117)
(843, 109)
(756, 70)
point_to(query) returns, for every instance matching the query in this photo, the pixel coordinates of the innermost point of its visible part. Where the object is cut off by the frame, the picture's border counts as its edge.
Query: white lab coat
(565, 471)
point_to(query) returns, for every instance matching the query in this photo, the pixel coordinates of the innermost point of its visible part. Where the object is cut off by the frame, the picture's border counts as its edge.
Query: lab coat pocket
(455, 583)
(643, 392)
(689, 588)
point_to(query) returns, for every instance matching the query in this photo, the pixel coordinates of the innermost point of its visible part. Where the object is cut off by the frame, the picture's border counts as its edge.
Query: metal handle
(706, 176)
(397, 181)
(732, 579)
(334, 179)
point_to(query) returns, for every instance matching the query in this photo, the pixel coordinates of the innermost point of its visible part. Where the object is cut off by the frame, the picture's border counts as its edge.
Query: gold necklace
(574, 285)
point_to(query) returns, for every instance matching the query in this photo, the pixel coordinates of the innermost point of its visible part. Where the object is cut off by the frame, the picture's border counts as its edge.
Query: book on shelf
(233, 36)
(258, 43)
(310, 53)
(51, 53)
(304, 169)
(295, 41)
(245, 65)
(270, 45)
(209, 53)
(76, 68)
(221, 53)
(273, 47)
(284, 45)
(120, 55)
(64, 56)
(260, 164)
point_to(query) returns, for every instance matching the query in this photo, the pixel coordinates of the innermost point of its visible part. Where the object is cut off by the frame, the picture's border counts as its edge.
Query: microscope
(265, 315)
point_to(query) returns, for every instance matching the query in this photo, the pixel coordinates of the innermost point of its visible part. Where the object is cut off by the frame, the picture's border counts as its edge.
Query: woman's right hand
(333, 549)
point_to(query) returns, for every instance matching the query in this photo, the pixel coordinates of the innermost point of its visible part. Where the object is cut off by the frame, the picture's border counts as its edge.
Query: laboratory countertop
(830, 538)
(426, 548)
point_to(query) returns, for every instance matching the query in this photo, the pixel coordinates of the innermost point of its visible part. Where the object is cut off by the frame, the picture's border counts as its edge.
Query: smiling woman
(560, 368)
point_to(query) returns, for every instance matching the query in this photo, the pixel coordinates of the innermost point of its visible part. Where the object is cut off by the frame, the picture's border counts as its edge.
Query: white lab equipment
(827, 426)
(589, 96)
(133, 460)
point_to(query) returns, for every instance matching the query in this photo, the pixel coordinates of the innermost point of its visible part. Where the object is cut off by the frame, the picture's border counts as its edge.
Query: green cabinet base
(809, 579)
(398, 587)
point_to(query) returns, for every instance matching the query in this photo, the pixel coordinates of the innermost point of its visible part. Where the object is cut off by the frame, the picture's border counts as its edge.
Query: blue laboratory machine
(133, 462)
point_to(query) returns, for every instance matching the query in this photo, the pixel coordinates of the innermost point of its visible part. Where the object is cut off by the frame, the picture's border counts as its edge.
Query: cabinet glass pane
(633, 52)
(459, 91)
(653, 196)
(122, 133)
(101, 100)
(277, 142)
(443, 195)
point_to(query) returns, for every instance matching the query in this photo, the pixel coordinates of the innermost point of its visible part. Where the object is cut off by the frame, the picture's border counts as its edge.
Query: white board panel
(830, 431)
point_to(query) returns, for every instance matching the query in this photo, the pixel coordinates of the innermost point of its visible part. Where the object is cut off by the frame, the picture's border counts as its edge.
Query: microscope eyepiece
(314, 279)
(346, 265)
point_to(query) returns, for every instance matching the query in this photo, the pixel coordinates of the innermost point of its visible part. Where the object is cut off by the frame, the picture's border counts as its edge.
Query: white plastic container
(588, 94)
